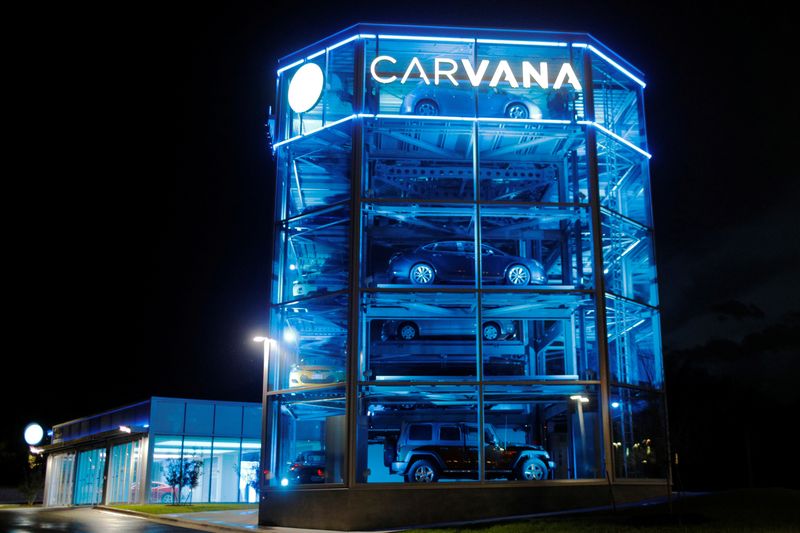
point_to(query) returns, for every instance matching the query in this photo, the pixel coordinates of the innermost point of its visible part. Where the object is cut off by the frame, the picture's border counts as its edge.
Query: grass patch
(770, 510)
(160, 508)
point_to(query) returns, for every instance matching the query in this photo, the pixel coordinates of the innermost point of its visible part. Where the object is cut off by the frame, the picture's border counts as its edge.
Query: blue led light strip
(468, 119)
(528, 43)
(326, 126)
(615, 65)
(422, 38)
(327, 49)
(620, 139)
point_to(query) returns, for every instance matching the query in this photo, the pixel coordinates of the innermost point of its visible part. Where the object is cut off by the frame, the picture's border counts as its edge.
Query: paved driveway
(78, 520)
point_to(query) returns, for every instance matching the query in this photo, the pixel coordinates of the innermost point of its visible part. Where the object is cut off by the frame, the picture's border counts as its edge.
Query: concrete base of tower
(369, 508)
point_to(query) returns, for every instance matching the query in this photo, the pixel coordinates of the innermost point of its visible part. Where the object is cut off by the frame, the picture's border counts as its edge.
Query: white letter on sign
(529, 72)
(504, 70)
(422, 75)
(567, 72)
(475, 77)
(438, 71)
(375, 62)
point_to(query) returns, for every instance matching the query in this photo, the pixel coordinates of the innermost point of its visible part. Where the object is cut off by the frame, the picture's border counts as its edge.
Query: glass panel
(249, 486)
(410, 70)
(166, 474)
(638, 434)
(314, 172)
(536, 432)
(124, 472)
(528, 247)
(312, 342)
(418, 336)
(398, 249)
(628, 262)
(310, 437)
(423, 161)
(617, 102)
(532, 163)
(60, 472)
(539, 336)
(89, 477)
(634, 344)
(399, 428)
(317, 254)
(528, 82)
(624, 179)
(225, 469)
(340, 82)
(196, 472)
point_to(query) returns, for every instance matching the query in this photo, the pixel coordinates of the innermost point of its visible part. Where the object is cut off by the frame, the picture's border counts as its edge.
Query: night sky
(138, 194)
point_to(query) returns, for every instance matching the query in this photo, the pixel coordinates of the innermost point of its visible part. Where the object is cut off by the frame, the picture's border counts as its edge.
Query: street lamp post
(267, 342)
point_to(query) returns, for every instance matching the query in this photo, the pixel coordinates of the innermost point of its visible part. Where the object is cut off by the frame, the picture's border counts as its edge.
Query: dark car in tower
(454, 262)
(308, 467)
(426, 452)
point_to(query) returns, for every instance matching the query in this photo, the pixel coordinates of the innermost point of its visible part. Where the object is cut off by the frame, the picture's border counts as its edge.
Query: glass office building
(463, 247)
(156, 452)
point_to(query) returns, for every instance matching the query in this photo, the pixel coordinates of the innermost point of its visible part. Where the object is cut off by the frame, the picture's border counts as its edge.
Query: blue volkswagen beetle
(454, 262)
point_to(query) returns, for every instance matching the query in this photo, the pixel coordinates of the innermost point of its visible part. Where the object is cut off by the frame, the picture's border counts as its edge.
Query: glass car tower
(464, 300)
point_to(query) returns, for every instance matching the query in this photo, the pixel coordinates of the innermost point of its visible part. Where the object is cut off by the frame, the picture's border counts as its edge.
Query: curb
(171, 520)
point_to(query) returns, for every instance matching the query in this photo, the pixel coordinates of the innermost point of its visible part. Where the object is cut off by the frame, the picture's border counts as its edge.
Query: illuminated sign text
(445, 70)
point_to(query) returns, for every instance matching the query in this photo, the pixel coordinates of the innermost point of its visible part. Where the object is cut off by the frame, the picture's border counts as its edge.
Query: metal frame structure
(288, 506)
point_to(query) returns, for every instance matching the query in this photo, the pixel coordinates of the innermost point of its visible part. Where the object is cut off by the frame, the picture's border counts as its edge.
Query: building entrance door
(89, 477)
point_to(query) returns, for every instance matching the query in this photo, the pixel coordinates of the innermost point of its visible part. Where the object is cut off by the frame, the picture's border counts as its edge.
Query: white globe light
(34, 434)
(306, 87)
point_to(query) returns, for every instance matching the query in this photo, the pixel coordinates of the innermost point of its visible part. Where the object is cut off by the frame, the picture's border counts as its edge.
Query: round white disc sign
(33, 434)
(306, 87)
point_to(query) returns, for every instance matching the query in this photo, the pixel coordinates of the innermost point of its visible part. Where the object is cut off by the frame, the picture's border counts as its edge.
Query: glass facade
(89, 477)
(203, 469)
(59, 481)
(124, 472)
(192, 451)
(464, 278)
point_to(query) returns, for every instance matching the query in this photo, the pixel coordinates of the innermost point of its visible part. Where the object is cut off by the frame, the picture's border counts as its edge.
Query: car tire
(426, 108)
(167, 498)
(517, 110)
(518, 275)
(421, 274)
(532, 469)
(422, 471)
(491, 331)
(407, 331)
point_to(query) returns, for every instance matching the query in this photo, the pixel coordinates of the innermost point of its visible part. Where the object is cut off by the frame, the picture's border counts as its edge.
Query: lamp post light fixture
(267, 342)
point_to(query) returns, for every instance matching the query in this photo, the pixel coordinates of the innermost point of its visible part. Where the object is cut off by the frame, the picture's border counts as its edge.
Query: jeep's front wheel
(532, 470)
(422, 471)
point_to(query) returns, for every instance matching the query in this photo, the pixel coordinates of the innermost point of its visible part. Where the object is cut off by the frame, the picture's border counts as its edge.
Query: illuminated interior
(459, 254)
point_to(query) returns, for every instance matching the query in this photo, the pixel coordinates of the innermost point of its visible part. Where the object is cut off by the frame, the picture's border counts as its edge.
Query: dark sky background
(138, 192)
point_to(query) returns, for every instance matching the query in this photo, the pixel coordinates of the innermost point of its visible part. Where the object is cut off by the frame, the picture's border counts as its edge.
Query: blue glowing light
(524, 43)
(423, 38)
(617, 66)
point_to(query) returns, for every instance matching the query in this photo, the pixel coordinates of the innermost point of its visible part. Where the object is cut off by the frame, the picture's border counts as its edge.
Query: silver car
(435, 100)
(409, 330)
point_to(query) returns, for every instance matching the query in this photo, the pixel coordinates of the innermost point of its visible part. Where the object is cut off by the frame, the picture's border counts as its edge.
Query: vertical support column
(597, 265)
(356, 177)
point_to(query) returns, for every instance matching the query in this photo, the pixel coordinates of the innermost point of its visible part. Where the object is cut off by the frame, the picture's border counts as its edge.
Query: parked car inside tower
(409, 330)
(447, 100)
(454, 262)
(426, 452)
